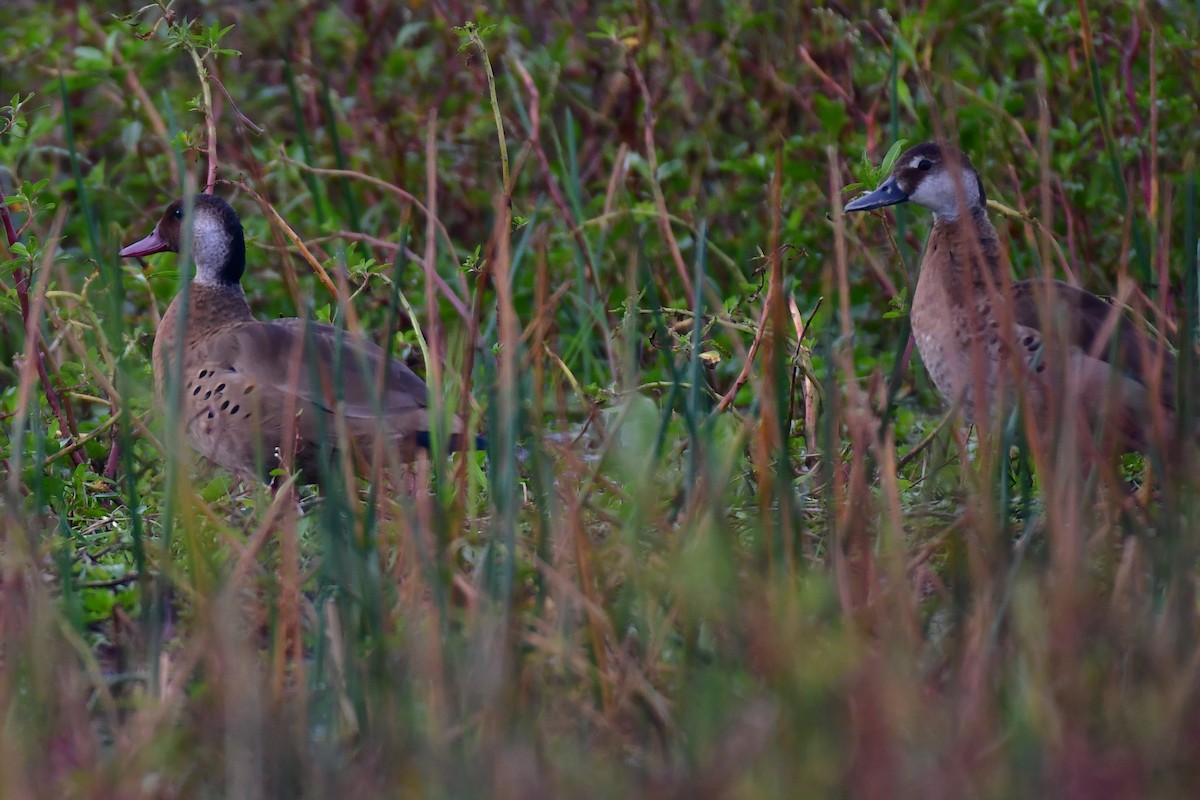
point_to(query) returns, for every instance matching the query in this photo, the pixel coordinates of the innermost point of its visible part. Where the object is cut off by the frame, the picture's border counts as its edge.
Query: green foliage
(638, 590)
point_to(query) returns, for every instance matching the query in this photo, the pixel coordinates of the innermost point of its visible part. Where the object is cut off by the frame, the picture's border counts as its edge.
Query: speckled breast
(960, 346)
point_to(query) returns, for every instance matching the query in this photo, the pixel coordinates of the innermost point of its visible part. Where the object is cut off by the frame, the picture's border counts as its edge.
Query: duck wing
(339, 366)
(1101, 336)
(249, 386)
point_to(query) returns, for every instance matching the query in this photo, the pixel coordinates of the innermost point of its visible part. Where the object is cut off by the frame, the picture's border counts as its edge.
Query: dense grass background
(736, 553)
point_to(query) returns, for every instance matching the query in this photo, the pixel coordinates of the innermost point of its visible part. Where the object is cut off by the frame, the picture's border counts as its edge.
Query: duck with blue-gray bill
(980, 334)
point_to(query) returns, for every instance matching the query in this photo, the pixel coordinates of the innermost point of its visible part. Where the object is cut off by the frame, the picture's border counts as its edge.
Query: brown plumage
(968, 318)
(252, 391)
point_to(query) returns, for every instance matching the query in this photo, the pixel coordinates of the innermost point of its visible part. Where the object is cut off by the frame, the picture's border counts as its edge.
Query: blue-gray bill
(888, 193)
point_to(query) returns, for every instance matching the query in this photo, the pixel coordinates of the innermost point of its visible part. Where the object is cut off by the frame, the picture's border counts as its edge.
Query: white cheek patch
(940, 193)
(210, 247)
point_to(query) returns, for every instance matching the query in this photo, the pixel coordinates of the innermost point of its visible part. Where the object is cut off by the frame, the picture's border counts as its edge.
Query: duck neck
(215, 306)
(972, 259)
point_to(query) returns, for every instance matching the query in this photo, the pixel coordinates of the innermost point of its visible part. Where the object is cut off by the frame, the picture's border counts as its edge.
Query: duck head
(938, 177)
(218, 243)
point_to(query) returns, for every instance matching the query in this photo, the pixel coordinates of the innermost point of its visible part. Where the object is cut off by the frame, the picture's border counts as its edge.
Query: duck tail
(456, 443)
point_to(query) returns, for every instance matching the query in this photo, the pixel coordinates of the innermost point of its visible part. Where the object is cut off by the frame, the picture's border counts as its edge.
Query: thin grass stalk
(584, 250)
(339, 154)
(660, 201)
(176, 500)
(1110, 146)
(900, 214)
(60, 410)
(765, 443)
(1180, 506)
(829, 420)
(279, 240)
(138, 90)
(70, 601)
(567, 148)
(349, 571)
(26, 411)
(361, 520)
(314, 188)
(692, 411)
(399, 266)
(777, 385)
(540, 464)
(1045, 195)
(475, 39)
(433, 353)
(590, 295)
(114, 332)
(507, 414)
(1013, 437)
(279, 223)
(507, 411)
(677, 384)
(288, 646)
(851, 558)
(429, 522)
(1189, 406)
(206, 109)
(901, 611)
(598, 626)
(402, 195)
(433, 630)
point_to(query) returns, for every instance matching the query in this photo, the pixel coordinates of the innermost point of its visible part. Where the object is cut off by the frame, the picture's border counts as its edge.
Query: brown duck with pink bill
(250, 390)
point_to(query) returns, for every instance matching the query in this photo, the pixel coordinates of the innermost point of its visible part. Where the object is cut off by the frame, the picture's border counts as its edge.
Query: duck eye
(925, 165)
(178, 213)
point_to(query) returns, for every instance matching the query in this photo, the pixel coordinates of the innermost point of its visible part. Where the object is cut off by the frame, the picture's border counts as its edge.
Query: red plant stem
(11, 234)
(114, 455)
(1128, 54)
(52, 397)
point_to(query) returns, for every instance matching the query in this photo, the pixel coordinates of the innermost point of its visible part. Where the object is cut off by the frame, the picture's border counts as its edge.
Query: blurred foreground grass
(702, 581)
